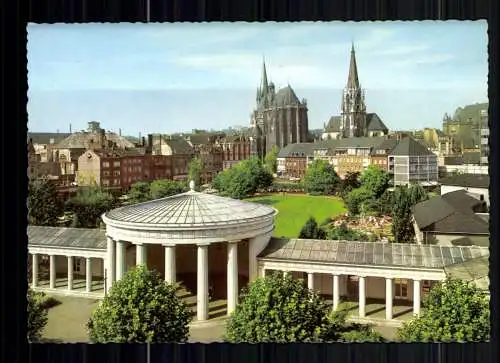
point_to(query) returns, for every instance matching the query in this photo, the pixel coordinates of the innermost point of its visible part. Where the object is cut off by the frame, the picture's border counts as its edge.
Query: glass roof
(475, 270)
(67, 237)
(371, 253)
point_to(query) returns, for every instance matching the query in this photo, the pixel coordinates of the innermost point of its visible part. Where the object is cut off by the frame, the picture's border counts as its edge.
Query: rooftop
(87, 238)
(370, 253)
(191, 209)
(467, 180)
(408, 146)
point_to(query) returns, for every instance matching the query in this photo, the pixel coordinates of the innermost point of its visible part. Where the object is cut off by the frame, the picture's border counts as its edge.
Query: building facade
(411, 162)
(279, 118)
(234, 149)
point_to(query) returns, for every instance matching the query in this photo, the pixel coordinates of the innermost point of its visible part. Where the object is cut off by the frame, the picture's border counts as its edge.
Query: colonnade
(52, 272)
(116, 266)
(389, 295)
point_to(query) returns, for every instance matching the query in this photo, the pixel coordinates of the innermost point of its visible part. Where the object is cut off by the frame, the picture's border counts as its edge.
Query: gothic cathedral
(279, 119)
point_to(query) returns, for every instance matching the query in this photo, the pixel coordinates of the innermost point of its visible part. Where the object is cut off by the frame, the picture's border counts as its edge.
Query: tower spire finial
(353, 81)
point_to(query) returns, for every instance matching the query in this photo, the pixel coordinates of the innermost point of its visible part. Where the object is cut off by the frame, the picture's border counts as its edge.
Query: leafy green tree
(88, 206)
(195, 170)
(349, 182)
(162, 188)
(311, 230)
(404, 198)
(139, 192)
(357, 198)
(243, 179)
(321, 178)
(454, 311)
(339, 330)
(43, 203)
(271, 159)
(375, 180)
(344, 233)
(37, 315)
(278, 309)
(141, 307)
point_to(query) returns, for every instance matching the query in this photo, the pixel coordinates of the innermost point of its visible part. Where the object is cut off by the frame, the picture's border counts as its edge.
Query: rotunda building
(207, 243)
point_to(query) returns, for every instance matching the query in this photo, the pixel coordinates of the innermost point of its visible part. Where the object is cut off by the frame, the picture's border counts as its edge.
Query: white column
(111, 258)
(262, 272)
(140, 255)
(252, 261)
(416, 297)
(34, 270)
(70, 272)
(362, 297)
(52, 279)
(170, 269)
(286, 273)
(310, 281)
(88, 274)
(202, 293)
(335, 290)
(232, 276)
(388, 298)
(120, 259)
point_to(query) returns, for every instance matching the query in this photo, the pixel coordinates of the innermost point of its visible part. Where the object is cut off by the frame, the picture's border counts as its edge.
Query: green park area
(295, 210)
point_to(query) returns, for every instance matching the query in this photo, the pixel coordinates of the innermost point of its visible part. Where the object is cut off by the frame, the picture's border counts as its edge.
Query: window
(116, 164)
(401, 288)
(105, 164)
(105, 182)
(77, 264)
(105, 173)
(116, 173)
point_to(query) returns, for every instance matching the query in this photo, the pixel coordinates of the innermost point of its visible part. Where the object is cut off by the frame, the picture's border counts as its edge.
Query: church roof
(333, 124)
(79, 140)
(353, 80)
(286, 96)
(189, 210)
(374, 123)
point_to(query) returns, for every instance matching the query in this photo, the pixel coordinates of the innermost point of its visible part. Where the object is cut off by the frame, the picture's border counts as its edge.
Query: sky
(150, 78)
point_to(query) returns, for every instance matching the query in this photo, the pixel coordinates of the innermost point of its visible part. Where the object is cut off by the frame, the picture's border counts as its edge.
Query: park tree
(339, 330)
(311, 230)
(243, 179)
(142, 307)
(162, 188)
(139, 192)
(454, 311)
(37, 315)
(44, 206)
(404, 198)
(278, 309)
(358, 199)
(321, 178)
(195, 171)
(88, 206)
(271, 159)
(375, 180)
(349, 182)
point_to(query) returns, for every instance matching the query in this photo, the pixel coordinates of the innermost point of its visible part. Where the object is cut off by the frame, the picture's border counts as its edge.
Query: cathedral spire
(264, 85)
(353, 81)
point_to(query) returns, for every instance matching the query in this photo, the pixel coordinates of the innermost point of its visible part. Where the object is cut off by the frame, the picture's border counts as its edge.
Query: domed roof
(189, 210)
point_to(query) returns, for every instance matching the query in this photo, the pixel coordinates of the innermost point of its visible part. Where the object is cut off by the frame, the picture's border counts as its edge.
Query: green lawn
(295, 210)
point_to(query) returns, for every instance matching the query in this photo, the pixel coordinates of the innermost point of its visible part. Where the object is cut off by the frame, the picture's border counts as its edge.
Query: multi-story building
(412, 162)
(44, 144)
(379, 154)
(234, 149)
(294, 159)
(354, 121)
(180, 151)
(485, 136)
(211, 156)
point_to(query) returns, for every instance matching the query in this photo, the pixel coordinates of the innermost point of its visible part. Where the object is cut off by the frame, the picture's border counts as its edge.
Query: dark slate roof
(387, 146)
(79, 140)
(374, 123)
(333, 124)
(179, 146)
(202, 138)
(286, 96)
(450, 213)
(86, 238)
(303, 149)
(370, 253)
(361, 142)
(453, 160)
(410, 147)
(45, 137)
(471, 157)
(467, 180)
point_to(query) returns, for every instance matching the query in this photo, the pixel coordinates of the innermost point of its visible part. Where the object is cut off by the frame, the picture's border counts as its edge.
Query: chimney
(143, 141)
(102, 139)
(140, 136)
(120, 132)
(70, 128)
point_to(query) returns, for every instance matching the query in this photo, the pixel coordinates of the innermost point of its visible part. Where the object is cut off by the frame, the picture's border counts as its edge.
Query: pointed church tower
(263, 89)
(353, 123)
